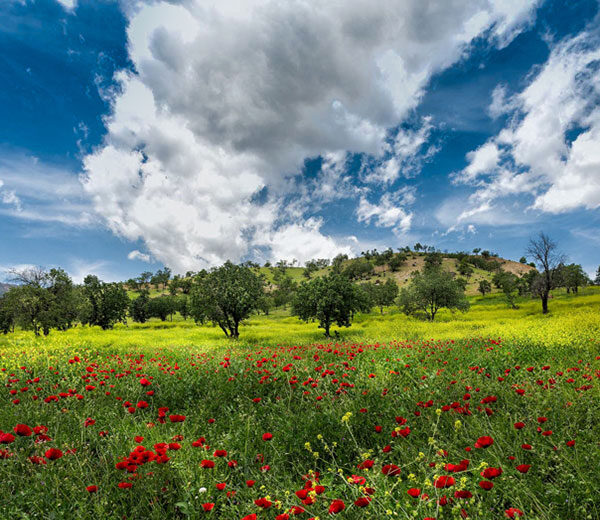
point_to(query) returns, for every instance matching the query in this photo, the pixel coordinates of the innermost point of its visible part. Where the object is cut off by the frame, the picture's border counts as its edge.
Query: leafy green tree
(162, 307)
(32, 307)
(7, 314)
(433, 260)
(484, 287)
(183, 306)
(226, 296)
(358, 268)
(284, 292)
(63, 311)
(523, 260)
(431, 290)
(465, 269)
(574, 277)
(509, 284)
(382, 294)
(597, 279)
(396, 262)
(105, 303)
(310, 268)
(338, 262)
(139, 308)
(329, 299)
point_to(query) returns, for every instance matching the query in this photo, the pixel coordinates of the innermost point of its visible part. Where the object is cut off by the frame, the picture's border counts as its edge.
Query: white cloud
(39, 192)
(138, 255)
(533, 154)
(390, 212)
(69, 5)
(230, 97)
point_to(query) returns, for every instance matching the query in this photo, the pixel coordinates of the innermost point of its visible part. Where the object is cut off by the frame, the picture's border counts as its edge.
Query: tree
(597, 279)
(465, 269)
(162, 307)
(397, 261)
(382, 294)
(105, 303)
(433, 260)
(430, 291)
(139, 309)
(226, 296)
(63, 311)
(338, 262)
(509, 284)
(329, 299)
(484, 287)
(523, 260)
(309, 268)
(574, 277)
(32, 305)
(7, 315)
(183, 306)
(284, 292)
(545, 253)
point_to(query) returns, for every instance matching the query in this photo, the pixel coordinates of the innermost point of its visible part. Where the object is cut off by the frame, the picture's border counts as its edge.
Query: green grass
(382, 368)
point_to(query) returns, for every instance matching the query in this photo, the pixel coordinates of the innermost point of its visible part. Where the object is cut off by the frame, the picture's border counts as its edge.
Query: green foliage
(104, 303)
(433, 260)
(139, 308)
(397, 261)
(358, 268)
(226, 296)
(329, 299)
(430, 291)
(162, 307)
(382, 294)
(484, 287)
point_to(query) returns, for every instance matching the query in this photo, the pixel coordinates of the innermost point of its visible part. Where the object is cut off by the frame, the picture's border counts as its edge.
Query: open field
(399, 418)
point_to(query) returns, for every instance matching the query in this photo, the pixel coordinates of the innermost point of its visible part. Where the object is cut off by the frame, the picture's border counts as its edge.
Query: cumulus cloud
(229, 98)
(389, 212)
(138, 255)
(549, 149)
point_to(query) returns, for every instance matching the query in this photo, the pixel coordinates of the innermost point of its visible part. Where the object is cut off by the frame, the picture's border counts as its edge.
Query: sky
(136, 134)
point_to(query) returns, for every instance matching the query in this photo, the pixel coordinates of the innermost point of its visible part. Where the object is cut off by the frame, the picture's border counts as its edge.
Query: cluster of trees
(225, 296)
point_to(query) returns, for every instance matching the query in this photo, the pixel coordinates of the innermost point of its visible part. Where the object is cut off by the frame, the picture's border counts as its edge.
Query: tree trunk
(545, 303)
(326, 326)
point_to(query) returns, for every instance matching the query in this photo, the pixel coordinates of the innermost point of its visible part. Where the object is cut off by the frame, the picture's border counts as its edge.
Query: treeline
(331, 293)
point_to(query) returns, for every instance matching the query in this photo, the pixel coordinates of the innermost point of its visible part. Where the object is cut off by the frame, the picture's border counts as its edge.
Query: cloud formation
(550, 147)
(229, 98)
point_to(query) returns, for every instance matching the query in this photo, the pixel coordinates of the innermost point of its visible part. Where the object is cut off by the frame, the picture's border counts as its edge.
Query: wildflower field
(490, 415)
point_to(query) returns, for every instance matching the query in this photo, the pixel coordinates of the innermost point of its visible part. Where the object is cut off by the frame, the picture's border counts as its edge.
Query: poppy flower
(176, 418)
(6, 438)
(513, 512)
(444, 482)
(390, 470)
(263, 502)
(484, 442)
(250, 483)
(53, 454)
(208, 506)
(221, 486)
(22, 430)
(282, 516)
(519, 425)
(250, 517)
(362, 501)
(414, 492)
(207, 464)
(523, 468)
(491, 473)
(486, 485)
(125, 485)
(463, 493)
(92, 489)
(337, 506)
(267, 436)
(220, 453)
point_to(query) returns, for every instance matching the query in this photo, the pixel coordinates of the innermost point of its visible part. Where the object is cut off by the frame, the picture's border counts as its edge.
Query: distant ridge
(5, 287)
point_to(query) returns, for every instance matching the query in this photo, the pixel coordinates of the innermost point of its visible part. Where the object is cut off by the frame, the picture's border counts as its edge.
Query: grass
(392, 390)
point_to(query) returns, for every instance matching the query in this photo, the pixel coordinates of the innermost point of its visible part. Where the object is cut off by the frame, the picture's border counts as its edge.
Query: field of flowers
(480, 427)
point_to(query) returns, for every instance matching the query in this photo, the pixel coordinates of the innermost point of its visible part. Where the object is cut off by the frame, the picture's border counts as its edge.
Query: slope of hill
(5, 287)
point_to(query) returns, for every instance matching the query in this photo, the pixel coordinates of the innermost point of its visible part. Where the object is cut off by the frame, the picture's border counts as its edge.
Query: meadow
(490, 414)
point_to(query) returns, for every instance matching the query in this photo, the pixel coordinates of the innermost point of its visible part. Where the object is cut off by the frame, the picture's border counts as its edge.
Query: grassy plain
(366, 420)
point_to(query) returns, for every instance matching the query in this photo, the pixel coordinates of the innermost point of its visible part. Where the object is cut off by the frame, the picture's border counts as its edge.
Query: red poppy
(390, 470)
(444, 482)
(491, 473)
(337, 506)
(519, 425)
(523, 468)
(208, 506)
(513, 512)
(53, 454)
(176, 418)
(267, 436)
(362, 501)
(125, 485)
(414, 492)
(250, 483)
(221, 486)
(463, 493)
(22, 430)
(91, 489)
(207, 464)
(484, 442)
(486, 485)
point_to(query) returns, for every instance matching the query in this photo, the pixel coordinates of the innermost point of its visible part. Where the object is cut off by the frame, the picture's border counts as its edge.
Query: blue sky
(140, 134)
